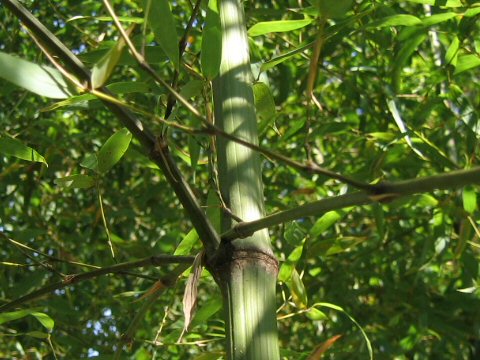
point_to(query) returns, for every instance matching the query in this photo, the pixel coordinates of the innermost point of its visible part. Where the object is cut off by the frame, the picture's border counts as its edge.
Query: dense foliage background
(398, 86)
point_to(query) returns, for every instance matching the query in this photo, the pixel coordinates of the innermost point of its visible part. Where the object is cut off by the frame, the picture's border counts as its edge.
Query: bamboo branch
(157, 260)
(159, 154)
(212, 129)
(383, 192)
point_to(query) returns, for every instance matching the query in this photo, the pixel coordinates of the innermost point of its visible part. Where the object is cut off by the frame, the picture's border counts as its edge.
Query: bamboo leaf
(446, 4)
(78, 181)
(469, 196)
(340, 309)
(37, 334)
(315, 314)
(104, 67)
(43, 318)
(451, 55)
(264, 102)
(267, 27)
(13, 147)
(396, 20)
(473, 11)
(161, 21)
(39, 79)
(211, 42)
(297, 288)
(113, 150)
(187, 243)
(438, 18)
(466, 62)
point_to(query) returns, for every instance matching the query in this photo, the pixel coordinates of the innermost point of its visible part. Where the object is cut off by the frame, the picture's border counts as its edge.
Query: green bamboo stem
(239, 166)
(245, 269)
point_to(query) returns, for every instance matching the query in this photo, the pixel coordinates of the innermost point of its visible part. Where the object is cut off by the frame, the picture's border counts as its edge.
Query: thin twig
(383, 192)
(182, 45)
(157, 260)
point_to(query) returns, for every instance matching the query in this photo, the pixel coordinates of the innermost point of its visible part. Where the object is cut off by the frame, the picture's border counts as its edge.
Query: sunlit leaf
(297, 288)
(267, 27)
(187, 243)
(39, 79)
(396, 20)
(315, 314)
(452, 52)
(469, 196)
(438, 18)
(264, 102)
(466, 62)
(43, 318)
(13, 147)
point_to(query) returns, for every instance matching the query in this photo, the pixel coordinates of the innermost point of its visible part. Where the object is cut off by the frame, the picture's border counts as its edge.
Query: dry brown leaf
(191, 290)
(323, 347)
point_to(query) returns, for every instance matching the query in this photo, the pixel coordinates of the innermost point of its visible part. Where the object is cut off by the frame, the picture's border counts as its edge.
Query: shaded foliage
(399, 99)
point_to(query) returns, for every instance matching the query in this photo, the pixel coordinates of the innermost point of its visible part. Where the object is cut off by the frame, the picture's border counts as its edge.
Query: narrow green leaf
(473, 11)
(267, 27)
(438, 18)
(161, 21)
(297, 288)
(281, 58)
(446, 4)
(187, 243)
(104, 67)
(121, 87)
(452, 52)
(264, 102)
(43, 318)
(13, 147)
(327, 220)
(288, 266)
(39, 79)
(340, 309)
(466, 62)
(403, 55)
(78, 181)
(396, 20)
(113, 150)
(211, 42)
(37, 334)
(315, 314)
(469, 196)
